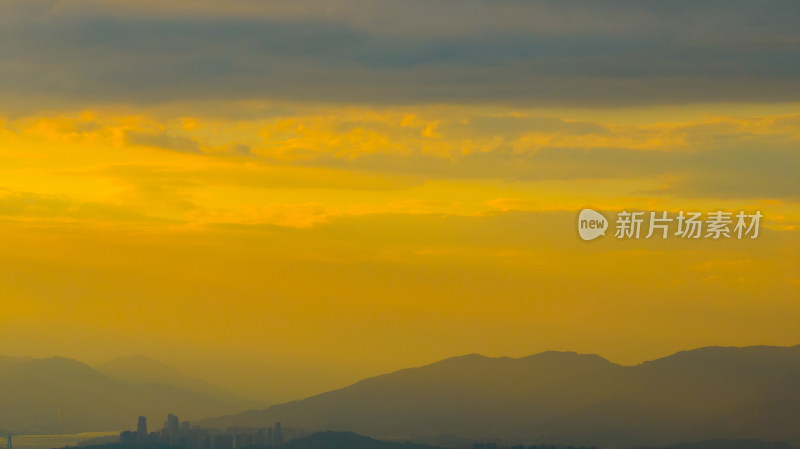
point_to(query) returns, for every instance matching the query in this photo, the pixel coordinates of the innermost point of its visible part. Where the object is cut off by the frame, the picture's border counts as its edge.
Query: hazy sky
(288, 196)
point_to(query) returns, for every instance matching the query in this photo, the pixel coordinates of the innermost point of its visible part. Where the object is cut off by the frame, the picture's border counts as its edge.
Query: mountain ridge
(564, 396)
(140, 369)
(63, 395)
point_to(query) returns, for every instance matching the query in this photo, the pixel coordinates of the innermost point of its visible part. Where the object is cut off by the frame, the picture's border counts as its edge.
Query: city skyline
(182, 434)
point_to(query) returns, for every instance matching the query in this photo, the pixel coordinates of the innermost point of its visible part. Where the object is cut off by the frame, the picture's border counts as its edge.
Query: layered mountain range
(707, 393)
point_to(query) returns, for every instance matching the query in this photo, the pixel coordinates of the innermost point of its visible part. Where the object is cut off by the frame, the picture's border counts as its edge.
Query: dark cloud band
(620, 52)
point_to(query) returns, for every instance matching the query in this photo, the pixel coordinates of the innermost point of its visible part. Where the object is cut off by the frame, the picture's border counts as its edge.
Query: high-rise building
(128, 437)
(171, 427)
(277, 435)
(171, 424)
(141, 430)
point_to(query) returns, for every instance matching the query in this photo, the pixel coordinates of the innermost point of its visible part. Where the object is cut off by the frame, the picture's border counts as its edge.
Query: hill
(732, 393)
(60, 395)
(729, 444)
(348, 440)
(139, 369)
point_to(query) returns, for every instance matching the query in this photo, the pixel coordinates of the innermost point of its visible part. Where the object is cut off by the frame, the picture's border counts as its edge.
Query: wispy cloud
(162, 140)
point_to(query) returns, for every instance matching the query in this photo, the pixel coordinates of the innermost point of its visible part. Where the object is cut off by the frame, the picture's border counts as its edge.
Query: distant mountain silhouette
(347, 440)
(319, 440)
(708, 393)
(59, 395)
(6, 361)
(730, 444)
(139, 369)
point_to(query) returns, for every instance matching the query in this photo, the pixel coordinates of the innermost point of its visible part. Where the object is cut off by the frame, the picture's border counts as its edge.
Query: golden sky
(283, 241)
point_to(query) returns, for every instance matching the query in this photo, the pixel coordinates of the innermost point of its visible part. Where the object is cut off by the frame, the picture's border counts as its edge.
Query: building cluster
(182, 434)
